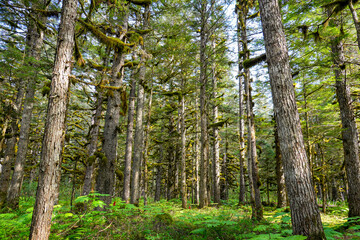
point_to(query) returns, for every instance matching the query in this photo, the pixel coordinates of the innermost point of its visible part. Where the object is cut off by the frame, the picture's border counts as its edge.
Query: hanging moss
(111, 42)
(131, 64)
(218, 124)
(304, 30)
(119, 174)
(98, 67)
(123, 104)
(78, 56)
(248, 63)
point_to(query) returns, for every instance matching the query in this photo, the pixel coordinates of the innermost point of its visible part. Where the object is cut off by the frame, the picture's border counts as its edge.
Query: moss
(119, 174)
(162, 220)
(79, 207)
(131, 64)
(248, 63)
(255, 15)
(141, 2)
(78, 56)
(91, 160)
(108, 41)
(48, 13)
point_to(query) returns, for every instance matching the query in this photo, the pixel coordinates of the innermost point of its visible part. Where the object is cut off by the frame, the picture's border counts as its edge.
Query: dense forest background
(114, 111)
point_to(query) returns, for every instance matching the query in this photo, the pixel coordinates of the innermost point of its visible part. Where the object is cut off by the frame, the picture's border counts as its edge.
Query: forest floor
(167, 220)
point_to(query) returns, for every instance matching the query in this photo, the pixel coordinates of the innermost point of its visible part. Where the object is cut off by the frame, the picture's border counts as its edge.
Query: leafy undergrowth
(166, 220)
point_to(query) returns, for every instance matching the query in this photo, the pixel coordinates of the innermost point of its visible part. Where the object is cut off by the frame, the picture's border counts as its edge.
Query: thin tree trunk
(216, 144)
(305, 215)
(204, 201)
(196, 157)
(349, 130)
(146, 149)
(129, 140)
(94, 134)
(280, 179)
(183, 146)
(55, 125)
(36, 36)
(159, 171)
(10, 145)
(254, 180)
(241, 115)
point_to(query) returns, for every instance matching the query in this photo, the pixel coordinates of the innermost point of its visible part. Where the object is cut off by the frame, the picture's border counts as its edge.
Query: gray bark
(305, 214)
(129, 140)
(55, 125)
(356, 21)
(349, 130)
(280, 179)
(183, 149)
(204, 142)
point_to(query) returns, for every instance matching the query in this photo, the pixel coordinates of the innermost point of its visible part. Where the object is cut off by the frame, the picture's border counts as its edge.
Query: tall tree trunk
(139, 133)
(216, 144)
(349, 129)
(129, 140)
(105, 179)
(280, 179)
(146, 149)
(224, 190)
(305, 215)
(254, 180)
(55, 125)
(94, 136)
(196, 157)
(36, 36)
(204, 201)
(183, 147)
(241, 113)
(159, 171)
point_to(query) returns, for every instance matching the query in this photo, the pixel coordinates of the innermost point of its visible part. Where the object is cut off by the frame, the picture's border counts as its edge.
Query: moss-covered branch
(141, 2)
(248, 63)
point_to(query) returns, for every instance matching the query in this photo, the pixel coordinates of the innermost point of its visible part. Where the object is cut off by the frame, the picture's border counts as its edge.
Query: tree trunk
(254, 180)
(280, 179)
(241, 115)
(183, 148)
(129, 140)
(204, 142)
(349, 130)
(94, 136)
(159, 171)
(196, 157)
(216, 144)
(305, 215)
(55, 125)
(146, 149)
(35, 36)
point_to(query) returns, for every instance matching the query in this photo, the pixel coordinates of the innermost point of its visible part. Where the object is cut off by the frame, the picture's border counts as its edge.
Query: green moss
(119, 174)
(248, 63)
(162, 220)
(141, 2)
(91, 159)
(108, 41)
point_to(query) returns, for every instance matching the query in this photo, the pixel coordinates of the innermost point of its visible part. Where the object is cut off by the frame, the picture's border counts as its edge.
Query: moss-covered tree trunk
(305, 215)
(54, 133)
(241, 110)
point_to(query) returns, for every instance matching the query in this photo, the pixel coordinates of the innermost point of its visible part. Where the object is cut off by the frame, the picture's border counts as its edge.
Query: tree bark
(55, 125)
(280, 179)
(305, 214)
(159, 171)
(183, 148)
(241, 113)
(349, 129)
(94, 136)
(216, 143)
(204, 142)
(129, 140)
